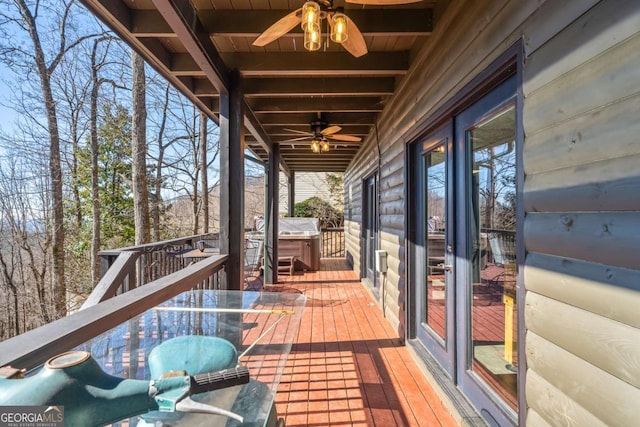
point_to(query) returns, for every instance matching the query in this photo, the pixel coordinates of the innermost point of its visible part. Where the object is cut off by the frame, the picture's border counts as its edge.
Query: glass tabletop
(260, 325)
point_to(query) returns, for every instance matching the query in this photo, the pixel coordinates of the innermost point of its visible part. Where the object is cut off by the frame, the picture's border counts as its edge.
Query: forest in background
(98, 152)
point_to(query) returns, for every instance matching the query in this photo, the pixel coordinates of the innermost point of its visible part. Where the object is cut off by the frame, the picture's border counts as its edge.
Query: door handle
(446, 267)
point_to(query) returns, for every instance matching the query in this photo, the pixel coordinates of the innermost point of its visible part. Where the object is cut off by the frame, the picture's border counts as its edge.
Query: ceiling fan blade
(331, 130)
(382, 2)
(348, 138)
(302, 138)
(279, 29)
(301, 132)
(355, 44)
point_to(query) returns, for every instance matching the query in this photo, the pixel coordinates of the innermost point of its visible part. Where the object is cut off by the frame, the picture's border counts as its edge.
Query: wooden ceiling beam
(319, 164)
(307, 86)
(303, 151)
(291, 64)
(251, 23)
(183, 20)
(326, 168)
(355, 146)
(279, 130)
(304, 105)
(311, 158)
(304, 86)
(287, 64)
(339, 119)
(310, 105)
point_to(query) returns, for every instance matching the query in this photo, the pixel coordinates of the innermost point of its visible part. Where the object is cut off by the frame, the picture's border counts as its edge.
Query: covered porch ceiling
(195, 44)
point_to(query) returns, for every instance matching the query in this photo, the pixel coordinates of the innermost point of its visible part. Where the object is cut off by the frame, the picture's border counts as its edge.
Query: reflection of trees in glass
(436, 180)
(505, 214)
(496, 169)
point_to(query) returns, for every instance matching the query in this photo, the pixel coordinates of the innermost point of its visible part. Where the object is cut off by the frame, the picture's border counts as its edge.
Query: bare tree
(24, 208)
(139, 150)
(44, 62)
(184, 164)
(203, 173)
(72, 90)
(161, 146)
(98, 62)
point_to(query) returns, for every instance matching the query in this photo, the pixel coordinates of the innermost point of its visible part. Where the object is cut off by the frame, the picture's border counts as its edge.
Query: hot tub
(300, 237)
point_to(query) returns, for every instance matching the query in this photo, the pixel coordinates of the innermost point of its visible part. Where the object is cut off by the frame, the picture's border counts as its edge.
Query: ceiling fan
(342, 29)
(321, 134)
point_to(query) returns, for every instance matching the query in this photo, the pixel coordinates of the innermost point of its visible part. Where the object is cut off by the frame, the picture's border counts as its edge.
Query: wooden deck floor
(347, 366)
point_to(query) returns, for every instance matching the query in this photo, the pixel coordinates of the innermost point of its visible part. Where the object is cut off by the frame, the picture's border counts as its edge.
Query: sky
(7, 115)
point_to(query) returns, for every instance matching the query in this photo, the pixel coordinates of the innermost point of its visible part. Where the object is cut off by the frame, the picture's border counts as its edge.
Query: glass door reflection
(436, 210)
(493, 258)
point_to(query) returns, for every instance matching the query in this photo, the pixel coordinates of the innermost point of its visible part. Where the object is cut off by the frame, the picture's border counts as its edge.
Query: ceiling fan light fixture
(339, 31)
(315, 145)
(324, 146)
(312, 37)
(310, 14)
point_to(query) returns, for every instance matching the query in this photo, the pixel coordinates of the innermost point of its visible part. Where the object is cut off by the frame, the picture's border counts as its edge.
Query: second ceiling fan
(342, 29)
(321, 134)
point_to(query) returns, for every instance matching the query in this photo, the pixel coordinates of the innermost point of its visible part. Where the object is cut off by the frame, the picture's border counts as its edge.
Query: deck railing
(34, 347)
(163, 271)
(124, 269)
(333, 243)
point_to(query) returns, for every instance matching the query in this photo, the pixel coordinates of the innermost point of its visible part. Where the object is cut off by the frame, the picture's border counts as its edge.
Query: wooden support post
(271, 218)
(232, 182)
(292, 193)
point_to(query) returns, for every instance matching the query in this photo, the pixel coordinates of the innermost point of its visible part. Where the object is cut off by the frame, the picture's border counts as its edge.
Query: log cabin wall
(581, 104)
(582, 230)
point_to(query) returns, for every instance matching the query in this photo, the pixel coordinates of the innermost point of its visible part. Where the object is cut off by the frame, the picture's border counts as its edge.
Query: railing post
(123, 267)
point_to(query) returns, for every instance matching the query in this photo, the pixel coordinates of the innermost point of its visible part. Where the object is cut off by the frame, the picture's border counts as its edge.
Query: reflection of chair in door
(503, 247)
(252, 254)
(435, 253)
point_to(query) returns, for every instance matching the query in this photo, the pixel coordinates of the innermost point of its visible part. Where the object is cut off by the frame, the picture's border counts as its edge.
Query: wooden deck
(347, 366)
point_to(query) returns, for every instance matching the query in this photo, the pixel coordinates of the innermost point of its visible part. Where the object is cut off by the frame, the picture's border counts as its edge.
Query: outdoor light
(339, 28)
(315, 145)
(310, 14)
(311, 25)
(312, 37)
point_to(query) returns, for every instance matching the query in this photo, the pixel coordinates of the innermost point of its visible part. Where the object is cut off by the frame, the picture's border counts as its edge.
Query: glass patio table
(260, 325)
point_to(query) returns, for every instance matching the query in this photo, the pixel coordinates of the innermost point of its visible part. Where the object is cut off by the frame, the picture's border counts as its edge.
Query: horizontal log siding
(583, 383)
(586, 334)
(582, 229)
(605, 290)
(353, 228)
(551, 401)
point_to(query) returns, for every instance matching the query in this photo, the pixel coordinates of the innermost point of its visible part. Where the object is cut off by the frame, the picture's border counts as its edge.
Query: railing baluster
(333, 243)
